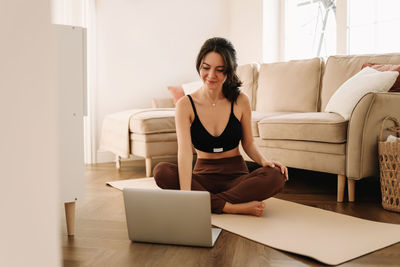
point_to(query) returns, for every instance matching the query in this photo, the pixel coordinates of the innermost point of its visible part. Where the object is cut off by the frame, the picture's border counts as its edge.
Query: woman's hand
(273, 163)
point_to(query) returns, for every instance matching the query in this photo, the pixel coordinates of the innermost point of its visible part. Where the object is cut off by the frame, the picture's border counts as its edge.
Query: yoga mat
(326, 236)
(146, 183)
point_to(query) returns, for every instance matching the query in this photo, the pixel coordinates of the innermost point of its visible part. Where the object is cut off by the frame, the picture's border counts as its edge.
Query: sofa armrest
(163, 103)
(363, 133)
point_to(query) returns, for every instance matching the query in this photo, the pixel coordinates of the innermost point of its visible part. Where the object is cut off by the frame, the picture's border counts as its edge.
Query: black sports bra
(204, 141)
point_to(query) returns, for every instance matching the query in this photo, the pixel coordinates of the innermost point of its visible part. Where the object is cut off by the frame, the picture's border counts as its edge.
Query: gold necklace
(212, 104)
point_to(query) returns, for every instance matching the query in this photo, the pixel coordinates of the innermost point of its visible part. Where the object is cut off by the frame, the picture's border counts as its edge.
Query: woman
(214, 119)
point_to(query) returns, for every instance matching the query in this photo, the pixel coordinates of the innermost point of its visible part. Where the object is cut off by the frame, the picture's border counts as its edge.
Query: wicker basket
(389, 162)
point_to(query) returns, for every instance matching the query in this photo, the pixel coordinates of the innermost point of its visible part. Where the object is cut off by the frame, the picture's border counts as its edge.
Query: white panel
(72, 79)
(29, 206)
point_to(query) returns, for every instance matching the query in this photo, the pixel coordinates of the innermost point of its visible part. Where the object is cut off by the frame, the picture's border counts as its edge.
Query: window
(373, 26)
(310, 29)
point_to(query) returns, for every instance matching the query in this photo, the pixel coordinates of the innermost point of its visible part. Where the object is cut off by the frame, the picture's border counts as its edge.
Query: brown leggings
(227, 180)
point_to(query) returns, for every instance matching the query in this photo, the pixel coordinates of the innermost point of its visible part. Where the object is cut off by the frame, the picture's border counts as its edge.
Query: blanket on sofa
(115, 132)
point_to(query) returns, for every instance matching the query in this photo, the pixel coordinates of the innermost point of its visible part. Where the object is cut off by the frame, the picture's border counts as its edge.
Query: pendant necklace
(212, 104)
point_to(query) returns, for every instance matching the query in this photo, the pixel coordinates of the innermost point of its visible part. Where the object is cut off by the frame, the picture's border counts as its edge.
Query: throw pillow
(386, 67)
(189, 88)
(176, 92)
(351, 91)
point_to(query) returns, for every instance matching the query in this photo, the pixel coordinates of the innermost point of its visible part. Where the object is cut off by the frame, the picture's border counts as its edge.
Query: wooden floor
(101, 237)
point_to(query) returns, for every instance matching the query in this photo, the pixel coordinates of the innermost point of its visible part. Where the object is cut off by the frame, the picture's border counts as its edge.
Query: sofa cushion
(248, 75)
(289, 86)
(319, 147)
(340, 68)
(386, 67)
(153, 149)
(350, 92)
(152, 138)
(309, 126)
(153, 121)
(256, 117)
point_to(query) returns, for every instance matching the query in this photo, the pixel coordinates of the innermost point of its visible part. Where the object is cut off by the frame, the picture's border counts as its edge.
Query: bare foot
(255, 208)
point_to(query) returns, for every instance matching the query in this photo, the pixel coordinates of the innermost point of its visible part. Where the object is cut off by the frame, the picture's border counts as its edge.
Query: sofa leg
(341, 183)
(118, 162)
(351, 187)
(148, 167)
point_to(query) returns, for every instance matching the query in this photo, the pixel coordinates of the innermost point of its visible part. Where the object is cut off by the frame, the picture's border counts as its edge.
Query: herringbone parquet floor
(101, 236)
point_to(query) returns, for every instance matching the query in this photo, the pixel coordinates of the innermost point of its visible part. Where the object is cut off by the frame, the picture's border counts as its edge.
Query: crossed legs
(242, 194)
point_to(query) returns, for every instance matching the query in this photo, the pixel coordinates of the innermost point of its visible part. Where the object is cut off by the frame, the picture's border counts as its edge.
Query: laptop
(169, 217)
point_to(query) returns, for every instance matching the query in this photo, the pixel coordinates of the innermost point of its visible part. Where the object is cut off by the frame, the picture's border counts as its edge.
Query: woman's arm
(248, 144)
(185, 152)
(247, 136)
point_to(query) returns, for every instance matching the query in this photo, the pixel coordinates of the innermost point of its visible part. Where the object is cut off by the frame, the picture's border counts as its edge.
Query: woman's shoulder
(182, 102)
(243, 100)
(184, 105)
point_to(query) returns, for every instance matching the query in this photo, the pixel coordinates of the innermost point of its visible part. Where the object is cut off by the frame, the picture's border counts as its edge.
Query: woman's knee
(274, 177)
(165, 174)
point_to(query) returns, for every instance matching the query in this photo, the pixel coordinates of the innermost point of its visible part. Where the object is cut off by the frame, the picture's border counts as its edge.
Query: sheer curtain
(310, 29)
(373, 26)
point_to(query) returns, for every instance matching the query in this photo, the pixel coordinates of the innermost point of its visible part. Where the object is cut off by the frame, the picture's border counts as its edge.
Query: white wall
(246, 29)
(273, 30)
(341, 27)
(30, 215)
(144, 46)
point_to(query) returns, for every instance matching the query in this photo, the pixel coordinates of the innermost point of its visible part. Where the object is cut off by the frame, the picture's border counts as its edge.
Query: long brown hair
(225, 48)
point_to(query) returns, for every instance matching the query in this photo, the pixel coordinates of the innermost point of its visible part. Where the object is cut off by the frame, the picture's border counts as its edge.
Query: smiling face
(212, 71)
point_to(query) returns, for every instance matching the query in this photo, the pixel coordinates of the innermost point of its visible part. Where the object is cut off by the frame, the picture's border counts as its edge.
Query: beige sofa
(289, 125)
